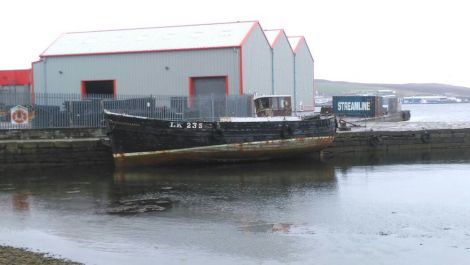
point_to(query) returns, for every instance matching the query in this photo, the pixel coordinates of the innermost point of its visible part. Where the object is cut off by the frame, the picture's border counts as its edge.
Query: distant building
(430, 100)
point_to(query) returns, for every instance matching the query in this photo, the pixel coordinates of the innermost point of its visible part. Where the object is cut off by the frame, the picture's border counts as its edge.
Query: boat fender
(286, 131)
(405, 115)
(110, 129)
(426, 137)
(217, 132)
(375, 140)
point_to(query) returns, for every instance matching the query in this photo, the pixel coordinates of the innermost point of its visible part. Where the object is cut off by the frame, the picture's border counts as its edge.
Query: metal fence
(74, 110)
(15, 95)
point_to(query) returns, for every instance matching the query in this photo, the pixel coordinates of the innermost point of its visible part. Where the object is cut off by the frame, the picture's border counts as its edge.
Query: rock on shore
(12, 256)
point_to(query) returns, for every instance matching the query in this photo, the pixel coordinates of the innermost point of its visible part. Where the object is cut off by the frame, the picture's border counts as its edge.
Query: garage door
(209, 95)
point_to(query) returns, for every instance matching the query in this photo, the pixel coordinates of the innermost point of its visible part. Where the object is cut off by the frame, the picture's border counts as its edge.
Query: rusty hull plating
(261, 150)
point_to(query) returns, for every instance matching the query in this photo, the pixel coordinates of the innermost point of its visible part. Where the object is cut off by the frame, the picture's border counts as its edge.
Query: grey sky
(362, 40)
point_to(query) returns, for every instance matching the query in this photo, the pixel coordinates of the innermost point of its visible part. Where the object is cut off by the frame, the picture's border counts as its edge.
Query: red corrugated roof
(15, 77)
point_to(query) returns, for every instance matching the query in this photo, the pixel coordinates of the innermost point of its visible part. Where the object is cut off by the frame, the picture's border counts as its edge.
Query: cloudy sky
(395, 41)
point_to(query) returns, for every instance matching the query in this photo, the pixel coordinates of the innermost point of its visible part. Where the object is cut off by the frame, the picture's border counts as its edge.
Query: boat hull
(145, 141)
(252, 151)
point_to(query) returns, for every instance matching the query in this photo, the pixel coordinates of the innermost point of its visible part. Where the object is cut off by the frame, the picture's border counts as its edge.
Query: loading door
(209, 95)
(99, 88)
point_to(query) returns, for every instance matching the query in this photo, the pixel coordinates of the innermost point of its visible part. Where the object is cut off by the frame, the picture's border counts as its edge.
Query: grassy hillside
(331, 88)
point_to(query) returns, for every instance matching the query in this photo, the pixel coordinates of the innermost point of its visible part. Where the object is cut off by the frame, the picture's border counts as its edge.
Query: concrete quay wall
(41, 134)
(26, 149)
(398, 141)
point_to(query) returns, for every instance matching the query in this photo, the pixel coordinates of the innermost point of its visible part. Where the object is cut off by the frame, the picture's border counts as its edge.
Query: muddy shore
(13, 256)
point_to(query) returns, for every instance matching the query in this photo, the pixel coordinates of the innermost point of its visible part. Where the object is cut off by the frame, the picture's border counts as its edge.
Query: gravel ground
(14, 256)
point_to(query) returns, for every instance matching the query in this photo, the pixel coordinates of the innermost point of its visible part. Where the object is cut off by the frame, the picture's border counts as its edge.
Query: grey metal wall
(15, 95)
(303, 77)
(15, 89)
(38, 76)
(257, 64)
(283, 67)
(158, 73)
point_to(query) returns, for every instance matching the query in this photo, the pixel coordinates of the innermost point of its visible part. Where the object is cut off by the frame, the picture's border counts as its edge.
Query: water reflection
(277, 174)
(405, 157)
(225, 212)
(295, 211)
(220, 186)
(20, 201)
(64, 189)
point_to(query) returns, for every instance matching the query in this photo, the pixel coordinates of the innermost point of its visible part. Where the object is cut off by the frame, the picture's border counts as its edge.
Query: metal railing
(74, 110)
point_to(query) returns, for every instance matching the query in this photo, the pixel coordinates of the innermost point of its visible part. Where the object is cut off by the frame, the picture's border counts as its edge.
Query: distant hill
(337, 88)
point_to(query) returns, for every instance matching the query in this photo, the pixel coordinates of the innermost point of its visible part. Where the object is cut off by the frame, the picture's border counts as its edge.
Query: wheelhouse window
(273, 106)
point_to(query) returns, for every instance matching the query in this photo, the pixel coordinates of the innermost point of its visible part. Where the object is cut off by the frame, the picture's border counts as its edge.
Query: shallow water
(408, 209)
(296, 212)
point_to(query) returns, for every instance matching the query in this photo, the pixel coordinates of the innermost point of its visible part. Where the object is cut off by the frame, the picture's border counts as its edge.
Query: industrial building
(15, 86)
(236, 58)
(220, 59)
(293, 70)
(282, 61)
(303, 73)
(15, 81)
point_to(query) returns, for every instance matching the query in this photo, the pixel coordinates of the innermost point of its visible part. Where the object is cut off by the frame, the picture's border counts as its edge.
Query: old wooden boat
(273, 133)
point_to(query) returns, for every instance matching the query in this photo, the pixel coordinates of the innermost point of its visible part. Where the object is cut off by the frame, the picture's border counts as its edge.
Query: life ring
(426, 137)
(375, 140)
(286, 131)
